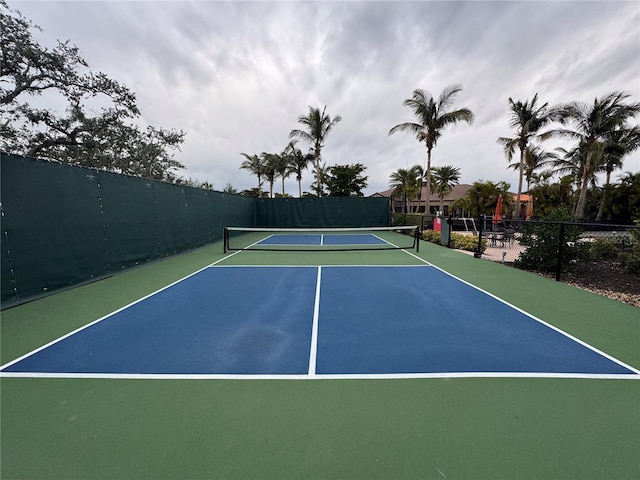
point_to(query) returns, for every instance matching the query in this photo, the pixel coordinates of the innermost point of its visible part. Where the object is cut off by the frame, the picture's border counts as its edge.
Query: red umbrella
(497, 217)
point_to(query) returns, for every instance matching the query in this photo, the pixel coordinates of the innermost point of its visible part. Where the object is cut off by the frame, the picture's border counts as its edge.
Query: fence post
(478, 253)
(560, 249)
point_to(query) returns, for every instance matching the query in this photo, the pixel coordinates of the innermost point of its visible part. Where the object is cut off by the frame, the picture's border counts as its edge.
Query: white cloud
(236, 75)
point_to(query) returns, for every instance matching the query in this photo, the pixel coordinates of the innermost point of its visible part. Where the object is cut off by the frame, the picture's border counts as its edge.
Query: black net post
(417, 234)
(478, 253)
(560, 249)
(225, 239)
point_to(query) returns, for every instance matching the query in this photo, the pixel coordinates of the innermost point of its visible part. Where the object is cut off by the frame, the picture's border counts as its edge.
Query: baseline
(533, 317)
(101, 319)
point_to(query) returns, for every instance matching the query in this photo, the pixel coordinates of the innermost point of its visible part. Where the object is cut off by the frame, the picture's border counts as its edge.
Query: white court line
(635, 371)
(533, 317)
(410, 253)
(314, 329)
(472, 374)
(312, 374)
(318, 376)
(261, 240)
(384, 241)
(6, 365)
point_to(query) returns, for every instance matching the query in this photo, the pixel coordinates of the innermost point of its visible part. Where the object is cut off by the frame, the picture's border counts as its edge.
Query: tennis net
(321, 239)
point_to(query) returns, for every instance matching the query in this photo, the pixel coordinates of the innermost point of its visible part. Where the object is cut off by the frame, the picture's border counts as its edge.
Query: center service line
(314, 329)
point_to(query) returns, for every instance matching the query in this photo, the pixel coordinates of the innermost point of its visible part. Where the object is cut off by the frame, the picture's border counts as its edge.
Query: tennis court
(336, 354)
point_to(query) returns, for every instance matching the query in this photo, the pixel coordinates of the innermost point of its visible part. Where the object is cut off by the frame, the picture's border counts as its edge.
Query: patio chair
(508, 237)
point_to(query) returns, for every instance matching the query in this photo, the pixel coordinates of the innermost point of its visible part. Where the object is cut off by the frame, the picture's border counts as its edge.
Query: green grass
(492, 428)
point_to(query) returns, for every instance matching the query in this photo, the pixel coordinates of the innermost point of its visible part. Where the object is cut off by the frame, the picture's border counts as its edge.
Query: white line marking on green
(314, 329)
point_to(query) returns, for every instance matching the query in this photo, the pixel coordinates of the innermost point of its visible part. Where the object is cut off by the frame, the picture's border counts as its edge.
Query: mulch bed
(605, 277)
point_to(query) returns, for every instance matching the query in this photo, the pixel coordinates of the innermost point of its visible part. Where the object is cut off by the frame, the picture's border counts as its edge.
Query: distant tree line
(602, 133)
(334, 181)
(99, 128)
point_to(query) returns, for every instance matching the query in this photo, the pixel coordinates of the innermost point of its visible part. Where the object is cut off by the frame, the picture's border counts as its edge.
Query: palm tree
(255, 165)
(528, 119)
(318, 125)
(569, 162)
(297, 162)
(619, 143)
(432, 117)
(535, 158)
(445, 178)
(416, 174)
(321, 175)
(282, 167)
(404, 182)
(551, 196)
(625, 201)
(270, 162)
(481, 198)
(591, 125)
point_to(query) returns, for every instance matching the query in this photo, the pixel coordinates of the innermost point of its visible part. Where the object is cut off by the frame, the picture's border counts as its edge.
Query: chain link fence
(556, 247)
(600, 257)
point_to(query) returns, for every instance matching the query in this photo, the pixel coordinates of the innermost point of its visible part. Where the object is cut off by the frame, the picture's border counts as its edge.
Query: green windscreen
(53, 229)
(323, 212)
(64, 225)
(128, 210)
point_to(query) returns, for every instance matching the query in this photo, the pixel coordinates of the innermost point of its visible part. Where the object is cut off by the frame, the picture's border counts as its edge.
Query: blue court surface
(312, 321)
(325, 239)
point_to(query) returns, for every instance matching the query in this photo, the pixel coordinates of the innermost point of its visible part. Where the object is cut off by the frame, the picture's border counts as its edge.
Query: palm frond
(509, 145)
(414, 128)
(447, 97)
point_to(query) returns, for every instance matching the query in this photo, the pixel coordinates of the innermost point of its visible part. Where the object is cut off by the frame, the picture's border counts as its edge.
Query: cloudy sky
(237, 75)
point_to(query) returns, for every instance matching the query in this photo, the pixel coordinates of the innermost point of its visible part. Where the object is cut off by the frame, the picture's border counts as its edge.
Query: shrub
(431, 236)
(466, 242)
(603, 249)
(631, 261)
(457, 240)
(542, 242)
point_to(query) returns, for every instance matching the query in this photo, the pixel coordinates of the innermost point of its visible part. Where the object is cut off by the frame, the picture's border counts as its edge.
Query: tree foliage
(255, 165)
(346, 180)
(482, 197)
(444, 179)
(298, 162)
(405, 183)
(591, 126)
(270, 165)
(549, 196)
(432, 116)
(542, 242)
(527, 118)
(624, 204)
(317, 126)
(107, 139)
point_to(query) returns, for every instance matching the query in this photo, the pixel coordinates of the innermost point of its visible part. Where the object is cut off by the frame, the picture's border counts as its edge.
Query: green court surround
(481, 428)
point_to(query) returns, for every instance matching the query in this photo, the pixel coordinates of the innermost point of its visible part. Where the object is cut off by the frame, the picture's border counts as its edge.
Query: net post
(225, 239)
(478, 253)
(417, 235)
(560, 249)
